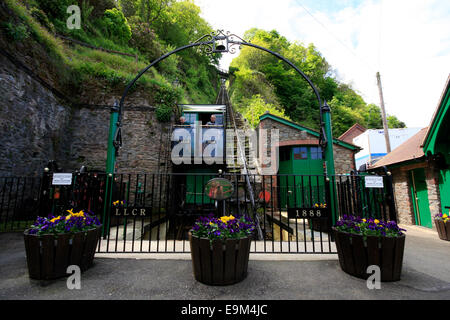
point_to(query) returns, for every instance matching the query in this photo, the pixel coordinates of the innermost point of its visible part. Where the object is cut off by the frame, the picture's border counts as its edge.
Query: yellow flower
(364, 220)
(376, 221)
(444, 215)
(116, 202)
(70, 211)
(54, 219)
(68, 217)
(225, 219)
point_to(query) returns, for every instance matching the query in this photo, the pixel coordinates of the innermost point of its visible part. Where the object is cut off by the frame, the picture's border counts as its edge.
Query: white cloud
(412, 51)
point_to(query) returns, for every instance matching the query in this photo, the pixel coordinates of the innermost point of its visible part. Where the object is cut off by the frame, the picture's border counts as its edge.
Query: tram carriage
(198, 152)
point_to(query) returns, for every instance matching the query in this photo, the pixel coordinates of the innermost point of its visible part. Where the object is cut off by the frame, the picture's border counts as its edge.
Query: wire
(335, 37)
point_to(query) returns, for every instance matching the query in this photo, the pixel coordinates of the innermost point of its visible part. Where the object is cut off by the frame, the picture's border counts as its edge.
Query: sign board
(374, 182)
(62, 179)
(219, 189)
(307, 213)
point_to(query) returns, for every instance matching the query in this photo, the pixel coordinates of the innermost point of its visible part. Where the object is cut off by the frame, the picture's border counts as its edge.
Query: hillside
(266, 83)
(36, 33)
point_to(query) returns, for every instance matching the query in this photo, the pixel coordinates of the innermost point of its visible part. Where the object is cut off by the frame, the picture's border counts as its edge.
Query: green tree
(258, 72)
(256, 107)
(116, 26)
(393, 122)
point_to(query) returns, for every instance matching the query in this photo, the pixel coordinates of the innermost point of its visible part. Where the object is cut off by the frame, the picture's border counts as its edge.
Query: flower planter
(48, 256)
(356, 254)
(443, 229)
(221, 262)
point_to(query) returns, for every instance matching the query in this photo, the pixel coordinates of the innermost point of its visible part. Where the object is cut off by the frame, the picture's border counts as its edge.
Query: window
(300, 153)
(316, 153)
(190, 117)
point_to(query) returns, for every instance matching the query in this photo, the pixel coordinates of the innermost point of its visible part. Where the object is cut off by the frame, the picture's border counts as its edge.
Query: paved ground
(426, 275)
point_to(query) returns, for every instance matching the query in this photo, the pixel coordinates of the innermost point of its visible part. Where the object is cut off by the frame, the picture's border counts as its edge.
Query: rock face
(36, 126)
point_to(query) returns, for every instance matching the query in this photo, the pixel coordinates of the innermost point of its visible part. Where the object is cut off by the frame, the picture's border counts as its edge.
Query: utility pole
(383, 115)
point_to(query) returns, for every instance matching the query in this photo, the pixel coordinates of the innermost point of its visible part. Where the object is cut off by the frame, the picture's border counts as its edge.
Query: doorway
(419, 194)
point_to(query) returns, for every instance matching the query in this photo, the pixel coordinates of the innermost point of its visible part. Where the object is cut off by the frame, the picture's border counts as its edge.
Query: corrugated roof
(409, 150)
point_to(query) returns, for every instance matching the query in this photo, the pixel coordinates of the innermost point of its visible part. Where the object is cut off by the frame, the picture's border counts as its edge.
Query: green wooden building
(420, 169)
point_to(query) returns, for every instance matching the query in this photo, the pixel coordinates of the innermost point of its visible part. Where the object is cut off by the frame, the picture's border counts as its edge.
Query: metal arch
(322, 139)
(211, 40)
(117, 134)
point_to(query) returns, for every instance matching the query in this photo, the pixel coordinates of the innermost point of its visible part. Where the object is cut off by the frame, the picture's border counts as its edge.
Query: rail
(223, 95)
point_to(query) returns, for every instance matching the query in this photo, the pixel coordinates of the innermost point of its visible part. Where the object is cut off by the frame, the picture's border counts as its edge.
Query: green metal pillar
(329, 160)
(110, 166)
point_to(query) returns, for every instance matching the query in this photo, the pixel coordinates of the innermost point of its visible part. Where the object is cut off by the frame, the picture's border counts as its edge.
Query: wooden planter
(356, 254)
(48, 256)
(219, 263)
(443, 229)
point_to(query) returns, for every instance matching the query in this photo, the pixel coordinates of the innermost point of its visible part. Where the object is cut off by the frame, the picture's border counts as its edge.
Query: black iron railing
(154, 212)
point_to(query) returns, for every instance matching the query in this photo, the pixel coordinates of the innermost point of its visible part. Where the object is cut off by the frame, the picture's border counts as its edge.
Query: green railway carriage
(202, 155)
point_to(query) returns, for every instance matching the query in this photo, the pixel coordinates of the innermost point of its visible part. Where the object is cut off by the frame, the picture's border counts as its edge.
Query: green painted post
(329, 159)
(110, 163)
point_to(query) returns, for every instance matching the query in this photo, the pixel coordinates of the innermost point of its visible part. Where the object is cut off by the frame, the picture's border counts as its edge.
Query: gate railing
(154, 212)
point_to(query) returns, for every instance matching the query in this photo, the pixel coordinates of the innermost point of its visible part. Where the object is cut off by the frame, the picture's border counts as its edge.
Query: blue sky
(407, 41)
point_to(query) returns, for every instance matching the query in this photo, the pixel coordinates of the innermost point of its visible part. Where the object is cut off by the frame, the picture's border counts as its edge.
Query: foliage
(128, 7)
(151, 10)
(258, 72)
(393, 122)
(16, 32)
(104, 25)
(163, 113)
(369, 227)
(42, 18)
(71, 223)
(256, 107)
(55, 10)
(226, 227)
(116, 25)
(145, 40)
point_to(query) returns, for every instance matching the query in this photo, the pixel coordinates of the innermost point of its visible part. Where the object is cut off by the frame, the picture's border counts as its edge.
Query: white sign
(374, 182)
(62, 179)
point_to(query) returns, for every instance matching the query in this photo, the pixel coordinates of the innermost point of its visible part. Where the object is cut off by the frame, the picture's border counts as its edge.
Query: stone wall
(402, 196)
(434, 199)
(343, 157)
(32, 122)
(37, 126)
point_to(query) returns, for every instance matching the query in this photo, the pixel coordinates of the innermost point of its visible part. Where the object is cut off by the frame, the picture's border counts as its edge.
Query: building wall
(343, 157)
(373, 143)
(37, 126)
(404, 198)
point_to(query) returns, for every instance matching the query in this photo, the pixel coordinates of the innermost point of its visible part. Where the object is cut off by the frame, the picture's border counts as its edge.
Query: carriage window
(190, 117)
(316, 152)
(300, 153)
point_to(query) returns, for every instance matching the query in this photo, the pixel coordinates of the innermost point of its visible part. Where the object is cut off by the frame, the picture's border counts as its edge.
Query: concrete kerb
(253, 256)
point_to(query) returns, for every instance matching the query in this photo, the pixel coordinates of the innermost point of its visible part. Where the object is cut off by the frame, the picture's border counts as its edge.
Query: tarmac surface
(425, 275)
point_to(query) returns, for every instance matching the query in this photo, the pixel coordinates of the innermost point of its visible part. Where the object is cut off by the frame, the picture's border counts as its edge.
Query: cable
(334, 36)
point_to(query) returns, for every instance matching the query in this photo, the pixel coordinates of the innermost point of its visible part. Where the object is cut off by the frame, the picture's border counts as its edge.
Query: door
(304, 187)
(419, 193)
